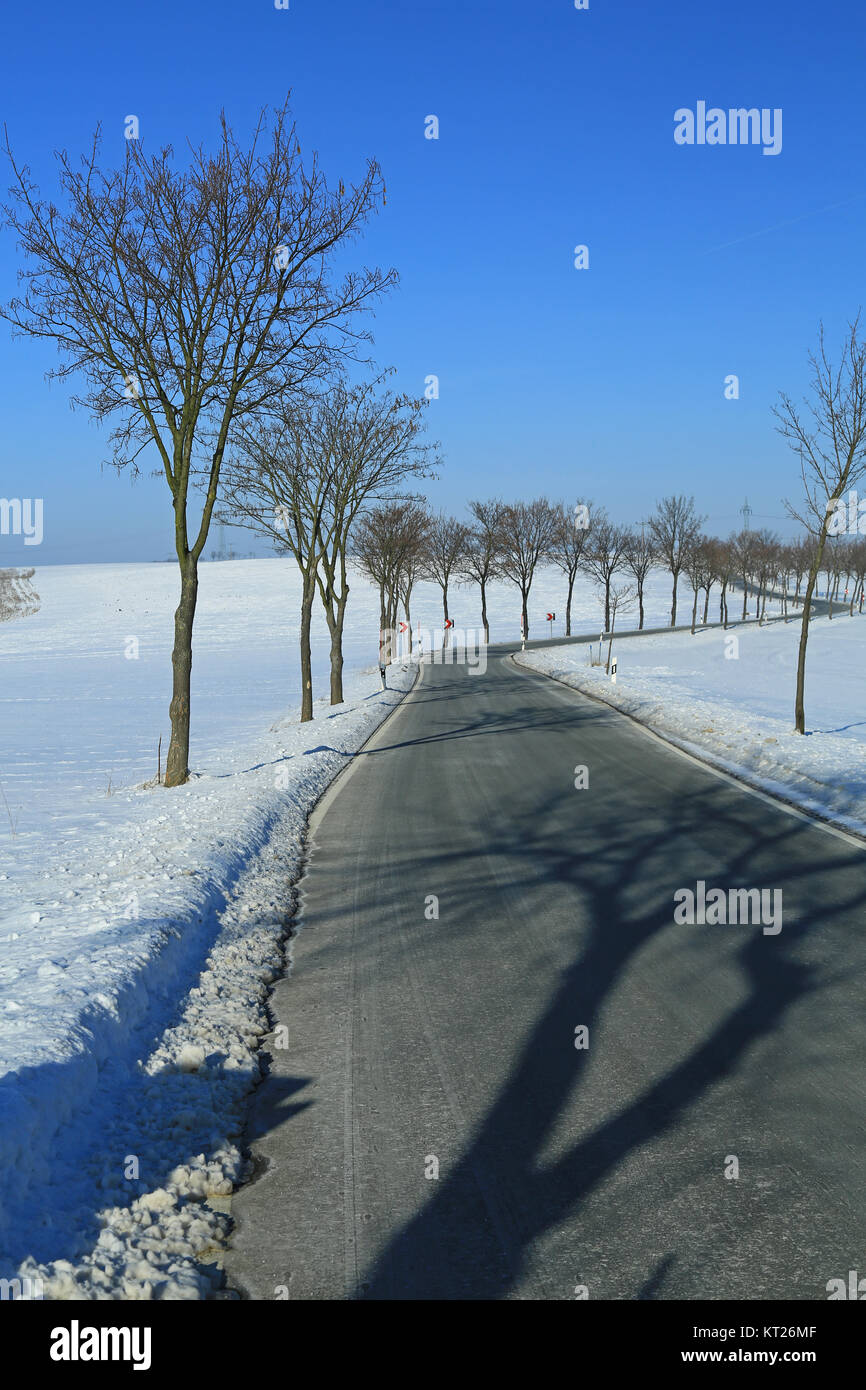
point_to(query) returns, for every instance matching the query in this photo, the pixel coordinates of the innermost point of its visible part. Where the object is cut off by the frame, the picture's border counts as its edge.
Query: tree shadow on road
(668, 824)
(473, 1237)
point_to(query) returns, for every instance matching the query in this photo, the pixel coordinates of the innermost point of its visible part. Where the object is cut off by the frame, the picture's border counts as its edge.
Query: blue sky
(556, 129)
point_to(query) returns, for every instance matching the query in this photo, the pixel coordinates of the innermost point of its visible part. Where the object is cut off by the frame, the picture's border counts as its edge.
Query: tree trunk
(391, 623)
(524, 594)
(335, 623)
(609, 650)
(384, 643)
(607, 603)
(484, 622)
(640, 603)
(571, 579)
(799, 706)
(307, 597)
(674, 600)
(177, 762)
(706, 607)
(445, 630)
(695, 611)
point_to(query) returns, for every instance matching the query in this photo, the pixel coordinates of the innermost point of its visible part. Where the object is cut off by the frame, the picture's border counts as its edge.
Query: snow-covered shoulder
(135, 970)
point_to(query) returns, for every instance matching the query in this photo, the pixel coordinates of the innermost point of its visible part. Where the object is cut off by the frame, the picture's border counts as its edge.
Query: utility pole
(746, 514)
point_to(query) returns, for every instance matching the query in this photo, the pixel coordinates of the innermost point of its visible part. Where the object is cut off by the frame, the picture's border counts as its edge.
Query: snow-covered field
(738, 711)
(140, 928)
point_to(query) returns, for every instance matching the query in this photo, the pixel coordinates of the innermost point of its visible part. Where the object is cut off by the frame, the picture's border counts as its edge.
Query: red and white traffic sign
(449, 622)
(404, 627)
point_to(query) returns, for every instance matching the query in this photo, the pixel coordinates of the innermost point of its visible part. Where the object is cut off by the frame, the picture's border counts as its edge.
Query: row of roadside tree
(205, 311)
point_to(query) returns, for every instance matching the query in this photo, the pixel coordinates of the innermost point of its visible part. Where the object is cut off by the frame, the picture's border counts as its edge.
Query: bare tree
(765, 561)
(277, 485)
(377, 444)
(479, 562)
(526, 536)
(721, 560)
(675, 527)
(412, 566)
(605, 555)
(570, 538)
(188, 300)
(698, 566)
(444, 554)
(386, 539)
(639, 557)
(829, 440)
(801, 552)
(302, 477)
(619, 598)
(743, 556)
(858, 569)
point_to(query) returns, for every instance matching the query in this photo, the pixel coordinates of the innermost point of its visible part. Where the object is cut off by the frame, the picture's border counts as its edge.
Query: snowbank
(121, 1107)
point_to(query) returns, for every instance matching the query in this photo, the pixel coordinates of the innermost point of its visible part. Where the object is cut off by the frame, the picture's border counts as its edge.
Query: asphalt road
(419, 1044)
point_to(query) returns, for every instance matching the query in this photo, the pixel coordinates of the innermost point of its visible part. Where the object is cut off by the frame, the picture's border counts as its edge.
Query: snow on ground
(738, 712)
(132, 1009)
(140, 928)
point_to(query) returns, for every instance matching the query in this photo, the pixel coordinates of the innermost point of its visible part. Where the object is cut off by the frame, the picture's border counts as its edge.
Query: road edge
(742, 781)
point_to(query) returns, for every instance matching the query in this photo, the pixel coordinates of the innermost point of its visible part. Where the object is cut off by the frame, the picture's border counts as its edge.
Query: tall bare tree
(302, 477)
(639, 557)
(858, 569)
(526, 534)
(187, 300)
(412, 566)
(721, 559)
(377, 445)
(570, 539)
(743, 556)
(765, 561)
(444, 556)
(829, 438)
(274, 485)
(385, 540)
(700, 570)
(479, 563)
(605, 555)
(675, 526)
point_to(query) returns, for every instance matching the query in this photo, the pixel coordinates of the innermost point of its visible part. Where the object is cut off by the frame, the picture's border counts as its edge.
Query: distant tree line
(509, 541)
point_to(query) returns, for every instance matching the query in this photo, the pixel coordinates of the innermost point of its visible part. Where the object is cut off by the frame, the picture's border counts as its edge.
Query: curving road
(419, 1044)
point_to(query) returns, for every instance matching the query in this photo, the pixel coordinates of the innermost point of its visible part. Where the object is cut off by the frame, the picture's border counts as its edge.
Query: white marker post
(613, 671)
(550, 618)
